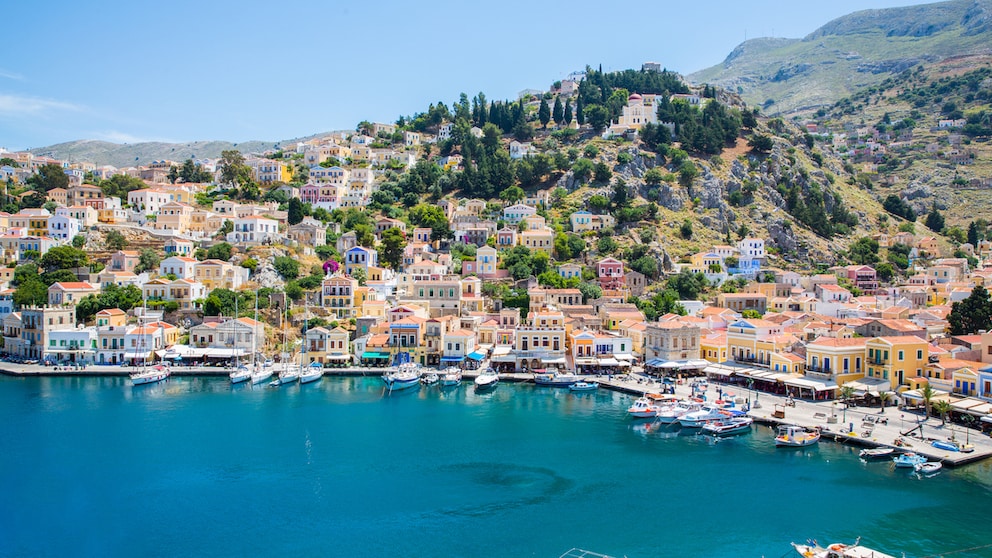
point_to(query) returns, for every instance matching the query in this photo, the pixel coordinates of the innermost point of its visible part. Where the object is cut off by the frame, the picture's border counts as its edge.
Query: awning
(809, 383)
(504, 358)
(697, 363)
(136, 354)
(337, 357)
(987, 419)
(222, 353)
(374, 354)
(585, 361)
(625, 363)
(917, 395)
(671, 365)
(872, 386)
(609, 362)
(559, 360)
(654, 362)
(624, 356)
(500, 351)
(452, 358)
(475, 355)
(718, 370)
(963, 405)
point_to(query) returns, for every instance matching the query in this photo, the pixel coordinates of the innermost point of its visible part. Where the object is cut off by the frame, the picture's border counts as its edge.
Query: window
(901, 355)
(919, 353)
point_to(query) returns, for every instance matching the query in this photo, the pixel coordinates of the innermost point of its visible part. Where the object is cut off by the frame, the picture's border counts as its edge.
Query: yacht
(261, 374)
(451, 377)
(643, 408)
(406, 376)
(813, 550)
(486, 379)
(555, 379)
(149, 375)
(312, 373)
(240, 374)
(729, 427)
(696, 419)
(288, 375)
(672, 413)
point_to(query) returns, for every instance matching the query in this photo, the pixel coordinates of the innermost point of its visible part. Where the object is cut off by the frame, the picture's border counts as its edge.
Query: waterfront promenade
(860, 426)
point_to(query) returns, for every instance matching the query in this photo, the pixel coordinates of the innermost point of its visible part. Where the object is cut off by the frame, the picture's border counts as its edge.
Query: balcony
(753, 360)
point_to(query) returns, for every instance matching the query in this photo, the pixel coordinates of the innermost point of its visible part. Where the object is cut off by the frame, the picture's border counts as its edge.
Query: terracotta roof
(835, 342)
(74, 286)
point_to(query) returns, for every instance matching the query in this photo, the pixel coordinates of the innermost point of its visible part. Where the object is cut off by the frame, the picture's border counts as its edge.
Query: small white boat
(312, 373)
(671, 414)
(584, 386)
(908, 460)
(261, 374)
(813, 550)
(451, 377)
(796, 437)
(486, 379)
(928, 467)
(240, 374)
(696, 419)
(406, 376)
(555, 379)
(876, 453)
(430, 379)
(729, 427)
(643, 408)
(288, 375)
(150, 375)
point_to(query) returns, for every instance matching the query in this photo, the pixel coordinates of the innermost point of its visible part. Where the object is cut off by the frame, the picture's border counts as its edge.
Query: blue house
(360, 257)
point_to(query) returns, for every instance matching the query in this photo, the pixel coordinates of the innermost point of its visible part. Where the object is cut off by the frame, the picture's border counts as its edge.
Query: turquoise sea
(96, 467)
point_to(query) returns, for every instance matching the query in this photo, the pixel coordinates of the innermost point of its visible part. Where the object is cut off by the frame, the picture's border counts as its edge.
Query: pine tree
(544, 113)
(557, 113)
(579, 116)
(935, 221)
(568, 112)
(973, 234)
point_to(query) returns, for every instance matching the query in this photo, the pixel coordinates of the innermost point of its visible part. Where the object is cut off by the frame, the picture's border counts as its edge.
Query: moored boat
(240, 374)
(837, 550)
(404, 377)
(792, 436)
(672, 413)
(729, 427)
(430, 379)
(289, 374)
(312, 373)
(261, 374)
(555, 379)
(908, 460)
(584, 386)
(928, 467)
(696, 419)
(643, 408)
(487, 379)
(451, 377)
(876, 453)
(947, 446)
(150, 375)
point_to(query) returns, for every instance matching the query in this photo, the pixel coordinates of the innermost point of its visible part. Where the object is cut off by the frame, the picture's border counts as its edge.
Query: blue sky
(237, 71)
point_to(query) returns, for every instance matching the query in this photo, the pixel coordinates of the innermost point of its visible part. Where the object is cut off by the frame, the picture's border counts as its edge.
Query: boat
(672, 413)
(729, 427)
(407, 375)
(584, 386)
(837, 550)
(876, 453)
(451, 377)
(312, 373)
(707, 413)
(948, 446)
(149, 375)
(430, 379)
(240, 374)
(486, 379)
(908, 460)
(555, 379)
(261, 374)
(792, 436)
(643, 408)
(928, 467)
(290, 373)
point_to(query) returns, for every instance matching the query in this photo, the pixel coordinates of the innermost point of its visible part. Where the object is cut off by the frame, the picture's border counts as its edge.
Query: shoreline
(835, 423)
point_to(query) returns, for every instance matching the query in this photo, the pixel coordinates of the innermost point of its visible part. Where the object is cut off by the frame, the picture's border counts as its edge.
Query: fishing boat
(947, 446)
(908, 460)
(430, 379)
(670, 414)
(643, 408)
(792, 436)
(487, 379)
(451, 377)
(696, 419)
(729, 427)
(584, 386)
(928, 467)
(149, 375)
(876, 453)
(312, 373)
(556, 379)
(407, 375)
(837, 550)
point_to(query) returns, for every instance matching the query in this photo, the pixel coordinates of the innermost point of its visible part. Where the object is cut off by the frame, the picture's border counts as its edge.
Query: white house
(183, 267)
(254, 229)
(751, 248)
(520, 150)
(63, 228)
(517, 212)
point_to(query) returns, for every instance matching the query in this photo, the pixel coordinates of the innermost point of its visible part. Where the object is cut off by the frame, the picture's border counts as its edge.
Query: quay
(858, 426)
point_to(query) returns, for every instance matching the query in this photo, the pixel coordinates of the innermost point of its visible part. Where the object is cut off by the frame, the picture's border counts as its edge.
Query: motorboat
(696, 419)
(928, 467)
(672, 413)
(486, 379)
(947, 446)
(555, 379)
(451, 377)
(908, 460)
(584, 386)
(876, 453)
(729, 427)
(430, 379)
(791, 436)
(837, 550)
(312, 373)
(150, 375)
(240, 374)
(643, 408)
(407, 375)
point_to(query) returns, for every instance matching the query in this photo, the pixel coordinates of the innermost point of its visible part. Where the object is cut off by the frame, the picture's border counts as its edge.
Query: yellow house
(789, 363)
(174, 216)
(752, 341)
(838, 360)
(541, 239)
(896, 359)
(700, 262)
(327, 345)
(714, 347)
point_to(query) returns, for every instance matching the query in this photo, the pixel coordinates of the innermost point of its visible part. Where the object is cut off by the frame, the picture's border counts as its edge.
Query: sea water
(96, 467)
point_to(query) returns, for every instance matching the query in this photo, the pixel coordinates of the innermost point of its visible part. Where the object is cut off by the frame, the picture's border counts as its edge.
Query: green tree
(221, 251)
(250, 264)
(590, 291)
(687, 173)
(391, 248)
(653, 176)
(568, 112)
(971, 314)
(512, 195)
(603, 172)
(927, 393)
(935, 221)
(47, 177)
(598, 117)
(173, 175)
(233, 170)
(943, 408)
(226, 227)
(973, 234)
(295, 211)
(78, 241)
(863, 251)
(687, 284)
(621, 195)
(606, 245)
(114, 240)
(544, 113)
(31, 293)
(63, 257)
(558, 112)
(598, 202)
(288, 267)
(582, 169)
(686, 229)
(359, 274)
(751, 314)
(147, 261)
(760, 143)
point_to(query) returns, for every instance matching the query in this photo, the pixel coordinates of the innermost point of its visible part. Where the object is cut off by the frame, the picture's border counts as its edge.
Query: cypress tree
(544, 113)
(578, 112)
(557, 113)
(568, 112)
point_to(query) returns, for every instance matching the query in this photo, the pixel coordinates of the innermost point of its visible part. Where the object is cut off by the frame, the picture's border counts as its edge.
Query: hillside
(859, 50)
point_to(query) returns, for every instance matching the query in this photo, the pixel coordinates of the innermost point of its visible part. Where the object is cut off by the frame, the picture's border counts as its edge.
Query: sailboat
(290, 371)
(147, 375)
(259, 372)
(241, 373)
(315, 371)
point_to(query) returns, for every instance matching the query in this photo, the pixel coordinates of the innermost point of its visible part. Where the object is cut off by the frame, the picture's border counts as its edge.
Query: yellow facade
(897, 359)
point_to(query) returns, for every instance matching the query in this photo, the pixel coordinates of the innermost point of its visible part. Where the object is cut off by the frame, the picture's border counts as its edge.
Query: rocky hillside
(783, 76)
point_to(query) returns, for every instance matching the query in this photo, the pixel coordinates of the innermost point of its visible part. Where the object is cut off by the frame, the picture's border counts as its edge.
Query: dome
(634, 97)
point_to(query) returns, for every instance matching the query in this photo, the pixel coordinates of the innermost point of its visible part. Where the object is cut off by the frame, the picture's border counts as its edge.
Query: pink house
(506, 238)
(610, 273)
(309, 193)
(863, 277)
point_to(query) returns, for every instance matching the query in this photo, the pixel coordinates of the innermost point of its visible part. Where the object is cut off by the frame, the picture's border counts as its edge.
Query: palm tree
(882, 398)
(928, 394)
(846, 393)
(942, 407)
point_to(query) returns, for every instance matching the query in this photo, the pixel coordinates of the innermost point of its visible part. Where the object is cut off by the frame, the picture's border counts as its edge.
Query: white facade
(254, 229)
